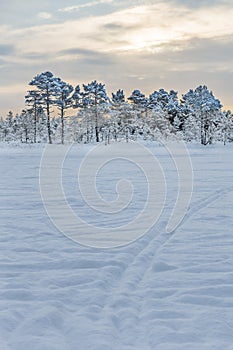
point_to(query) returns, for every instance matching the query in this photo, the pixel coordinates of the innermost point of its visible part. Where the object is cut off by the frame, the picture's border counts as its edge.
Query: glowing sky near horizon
(174, 44)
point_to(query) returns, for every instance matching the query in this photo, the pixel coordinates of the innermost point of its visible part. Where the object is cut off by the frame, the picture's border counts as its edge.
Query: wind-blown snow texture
(162, 292)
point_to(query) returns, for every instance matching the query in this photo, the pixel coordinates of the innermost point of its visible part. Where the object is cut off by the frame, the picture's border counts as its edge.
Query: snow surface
(162, 292)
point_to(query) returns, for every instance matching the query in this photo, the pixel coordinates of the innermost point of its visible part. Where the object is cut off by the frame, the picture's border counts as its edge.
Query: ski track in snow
(163, 291)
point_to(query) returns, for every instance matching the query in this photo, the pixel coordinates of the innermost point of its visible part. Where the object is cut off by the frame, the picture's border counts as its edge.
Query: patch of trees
(197, 116)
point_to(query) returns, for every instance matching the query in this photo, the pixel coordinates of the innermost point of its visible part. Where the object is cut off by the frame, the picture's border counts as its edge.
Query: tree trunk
(203, 132)
(26, 134)
(62, 126)
(35, 121)
(96, 125)
(48, 118)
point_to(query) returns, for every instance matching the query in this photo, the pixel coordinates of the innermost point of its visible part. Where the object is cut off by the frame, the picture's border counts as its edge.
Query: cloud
(44, 15)
(78, 51)
(85, 5)
(213, 52)
(204, 58)
(200, 3)
(35, 57)
(85, 56)
(146, 45)
(6, 50)
(113, 26)
(125, 31)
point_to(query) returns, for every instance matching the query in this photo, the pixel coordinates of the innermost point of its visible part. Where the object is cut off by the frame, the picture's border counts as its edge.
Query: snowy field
(165, 291)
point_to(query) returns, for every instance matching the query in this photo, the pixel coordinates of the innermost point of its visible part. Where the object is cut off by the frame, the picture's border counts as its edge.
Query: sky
(126, 44)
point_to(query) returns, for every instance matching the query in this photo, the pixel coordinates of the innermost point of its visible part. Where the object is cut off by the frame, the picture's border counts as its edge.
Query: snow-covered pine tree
(1, 129)
(158, 122)
(33, 99)
(94, 98)
(9, 127)
(139, 100)
(204, 111)
(173, 108)
(41, 125)
(140, 104)
(224, 127)
(63, 100)
(118, 98)
(77, 97)
(167, 101)
(25, 126)
(80, 126)
(115, 112)
(46, 85)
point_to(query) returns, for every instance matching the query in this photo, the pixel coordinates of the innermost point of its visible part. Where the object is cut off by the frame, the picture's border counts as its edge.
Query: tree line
(196, 116)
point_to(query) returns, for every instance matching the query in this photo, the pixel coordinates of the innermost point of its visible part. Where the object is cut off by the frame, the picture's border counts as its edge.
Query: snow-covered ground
(161, 292)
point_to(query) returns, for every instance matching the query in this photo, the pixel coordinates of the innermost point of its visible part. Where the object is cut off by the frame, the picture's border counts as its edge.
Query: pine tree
(9, 127)
(63, 100)
(224, 127)
(167, 101)
(204, 109)
(137, 98)
(25, 127)
(33, 99)
(47, 88)
(118, 98)
(94, 97)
